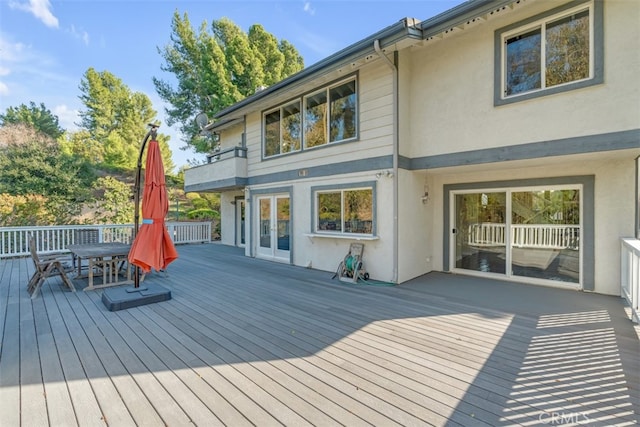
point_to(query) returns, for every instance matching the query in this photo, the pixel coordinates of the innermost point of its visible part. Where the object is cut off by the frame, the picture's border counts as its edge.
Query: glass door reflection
(480, 235)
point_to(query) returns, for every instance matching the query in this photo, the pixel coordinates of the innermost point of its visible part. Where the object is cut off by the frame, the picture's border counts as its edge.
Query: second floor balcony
(225, 170)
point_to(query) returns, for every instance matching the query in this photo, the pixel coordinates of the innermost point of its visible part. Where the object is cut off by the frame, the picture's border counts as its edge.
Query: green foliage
(176, 181)
(39, 118)
(115, 205)
(82, 145)
(27, 210)
(114, 123)
(33, 163)
(49, 176)
(203, 214)
(218, 68)
(200, 203)
(213, 200)
(204, 200)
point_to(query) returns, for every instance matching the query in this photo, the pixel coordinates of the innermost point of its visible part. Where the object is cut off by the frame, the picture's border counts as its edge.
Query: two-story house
(496, 139)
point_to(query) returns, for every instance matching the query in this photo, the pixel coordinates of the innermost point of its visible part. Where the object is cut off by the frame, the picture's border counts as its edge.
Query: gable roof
(390, 39)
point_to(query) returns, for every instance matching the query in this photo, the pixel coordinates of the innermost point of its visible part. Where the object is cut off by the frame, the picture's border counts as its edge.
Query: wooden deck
(248, 342)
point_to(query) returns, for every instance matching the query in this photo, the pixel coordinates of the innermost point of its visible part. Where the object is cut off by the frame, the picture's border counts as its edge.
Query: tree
(218, 68)
(42, 184)
(114, 206)
(21, 211)
(39, 118)
(114, 122)
(32, 163)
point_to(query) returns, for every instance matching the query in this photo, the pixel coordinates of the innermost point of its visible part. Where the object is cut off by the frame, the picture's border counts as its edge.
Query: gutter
(401, 30)
(396, 146)
(389, 35)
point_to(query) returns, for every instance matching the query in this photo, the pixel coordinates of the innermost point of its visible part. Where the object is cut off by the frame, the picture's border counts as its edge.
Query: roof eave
(461, 14)
(389, 36)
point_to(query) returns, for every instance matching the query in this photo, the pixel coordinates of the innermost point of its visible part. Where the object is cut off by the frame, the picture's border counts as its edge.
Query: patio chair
(47, 266)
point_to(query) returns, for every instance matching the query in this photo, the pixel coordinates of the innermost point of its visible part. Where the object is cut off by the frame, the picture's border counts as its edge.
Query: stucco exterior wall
(446, 106)
(415, 218)
(228, 216)
(452, 101)
(613, 196)
(325, 253)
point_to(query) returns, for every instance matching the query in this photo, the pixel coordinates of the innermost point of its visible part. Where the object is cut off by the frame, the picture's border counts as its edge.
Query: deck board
(10, 361)
(83, 400)
(248, 342)
(92, 351)
(58, 400)
(278, 338)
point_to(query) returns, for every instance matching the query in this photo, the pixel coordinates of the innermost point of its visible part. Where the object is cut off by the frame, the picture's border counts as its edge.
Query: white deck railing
(541, 236)
(630, 275)
(56, 238)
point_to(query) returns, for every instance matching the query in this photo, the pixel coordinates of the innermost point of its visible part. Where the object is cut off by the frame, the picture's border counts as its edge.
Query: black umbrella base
(121, 298)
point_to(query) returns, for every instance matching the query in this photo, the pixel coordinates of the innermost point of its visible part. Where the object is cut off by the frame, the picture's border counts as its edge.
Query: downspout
(396, 145)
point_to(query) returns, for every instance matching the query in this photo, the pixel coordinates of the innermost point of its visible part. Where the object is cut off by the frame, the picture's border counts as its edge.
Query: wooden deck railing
(56, 238)
(630, 275)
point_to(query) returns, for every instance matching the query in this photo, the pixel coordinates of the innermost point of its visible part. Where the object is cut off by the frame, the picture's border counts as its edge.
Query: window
(315, 120)
(345, 211)
(282, 130)
(551, 53)
(329, 115)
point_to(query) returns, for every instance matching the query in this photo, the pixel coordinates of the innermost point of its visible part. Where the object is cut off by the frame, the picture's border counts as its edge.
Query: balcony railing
(540, 236)
(14, 241)
(630, 275)
(224, 169)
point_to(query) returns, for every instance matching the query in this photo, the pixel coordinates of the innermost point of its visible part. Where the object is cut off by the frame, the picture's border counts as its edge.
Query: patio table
(108, 258)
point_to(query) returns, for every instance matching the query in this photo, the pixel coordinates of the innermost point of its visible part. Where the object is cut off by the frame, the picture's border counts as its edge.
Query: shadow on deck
(245, 341)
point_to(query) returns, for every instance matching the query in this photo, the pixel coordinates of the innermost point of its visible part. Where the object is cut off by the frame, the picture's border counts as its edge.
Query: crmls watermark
(563, 418)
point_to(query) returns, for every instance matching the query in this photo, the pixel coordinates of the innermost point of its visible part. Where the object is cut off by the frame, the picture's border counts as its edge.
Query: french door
(531, 234)
(273, 227)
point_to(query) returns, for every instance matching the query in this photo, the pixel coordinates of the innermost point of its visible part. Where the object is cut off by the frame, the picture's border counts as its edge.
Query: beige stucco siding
(228, 216)
(613, 215)
(415, 219)
(325, 253)
(451, 106)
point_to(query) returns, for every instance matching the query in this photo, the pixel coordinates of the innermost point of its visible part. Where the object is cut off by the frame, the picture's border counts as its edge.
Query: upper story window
(330, 115)
(552, 53)
(282, 130)
(327, 116)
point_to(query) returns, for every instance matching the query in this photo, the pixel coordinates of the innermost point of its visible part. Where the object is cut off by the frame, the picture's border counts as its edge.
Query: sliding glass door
(528, 233)
(546, 234)
(480, 232)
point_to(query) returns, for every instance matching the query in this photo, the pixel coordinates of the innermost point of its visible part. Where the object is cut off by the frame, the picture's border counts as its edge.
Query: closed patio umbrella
(152, 246)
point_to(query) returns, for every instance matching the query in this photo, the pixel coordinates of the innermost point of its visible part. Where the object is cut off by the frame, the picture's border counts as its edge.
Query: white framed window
(345, 211)
(282, 130)
(560, 50)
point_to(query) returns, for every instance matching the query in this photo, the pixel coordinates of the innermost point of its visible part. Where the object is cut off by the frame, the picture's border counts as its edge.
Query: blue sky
(46, 45)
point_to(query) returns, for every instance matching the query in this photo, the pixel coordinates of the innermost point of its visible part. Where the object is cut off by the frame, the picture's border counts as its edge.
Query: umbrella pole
(136, 196)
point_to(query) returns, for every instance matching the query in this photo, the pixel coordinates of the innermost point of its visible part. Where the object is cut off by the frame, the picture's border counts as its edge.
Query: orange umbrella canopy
(153, 247)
